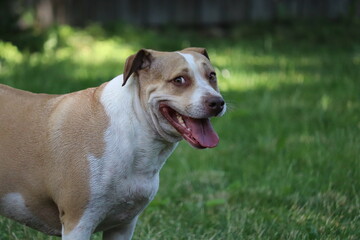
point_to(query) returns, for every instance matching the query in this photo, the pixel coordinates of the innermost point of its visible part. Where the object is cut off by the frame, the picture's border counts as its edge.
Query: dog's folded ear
(198, 50)
(136, 62)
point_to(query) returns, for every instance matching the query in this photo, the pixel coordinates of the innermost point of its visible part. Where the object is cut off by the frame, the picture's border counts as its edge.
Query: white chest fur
(126, 178)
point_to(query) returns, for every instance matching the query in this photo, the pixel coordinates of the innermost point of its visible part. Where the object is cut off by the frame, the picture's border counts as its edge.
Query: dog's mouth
(198, 132)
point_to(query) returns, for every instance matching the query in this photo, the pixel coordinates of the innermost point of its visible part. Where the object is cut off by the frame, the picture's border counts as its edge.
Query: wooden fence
(189, 12)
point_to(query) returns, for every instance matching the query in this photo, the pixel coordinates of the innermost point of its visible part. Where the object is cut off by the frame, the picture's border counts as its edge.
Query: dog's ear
(136, 62)
(198, 50)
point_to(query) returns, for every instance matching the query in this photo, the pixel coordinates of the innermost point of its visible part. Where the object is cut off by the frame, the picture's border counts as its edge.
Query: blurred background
(45, 13)
(288, 162)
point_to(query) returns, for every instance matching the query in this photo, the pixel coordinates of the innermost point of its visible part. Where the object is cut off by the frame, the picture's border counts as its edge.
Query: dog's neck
(127, 123)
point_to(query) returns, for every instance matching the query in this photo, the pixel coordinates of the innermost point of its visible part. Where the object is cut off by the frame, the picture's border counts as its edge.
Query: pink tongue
(202, 131)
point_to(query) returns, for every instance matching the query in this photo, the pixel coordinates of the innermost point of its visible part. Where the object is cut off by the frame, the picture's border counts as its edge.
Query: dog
(89, 161)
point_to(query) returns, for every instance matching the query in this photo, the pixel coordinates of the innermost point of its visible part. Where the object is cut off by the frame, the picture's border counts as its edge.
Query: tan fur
(44, 143)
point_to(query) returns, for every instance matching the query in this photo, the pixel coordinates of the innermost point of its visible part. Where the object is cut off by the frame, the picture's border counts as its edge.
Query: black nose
(214, 105)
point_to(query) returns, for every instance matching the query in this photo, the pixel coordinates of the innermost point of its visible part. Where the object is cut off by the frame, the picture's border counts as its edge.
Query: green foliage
(288, 164)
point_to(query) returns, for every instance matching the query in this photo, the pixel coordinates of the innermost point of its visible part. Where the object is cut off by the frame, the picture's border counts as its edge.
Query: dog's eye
(212, 77)
(179, 81)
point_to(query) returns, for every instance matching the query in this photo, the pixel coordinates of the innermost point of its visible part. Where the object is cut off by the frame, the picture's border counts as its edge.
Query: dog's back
(21, 144)
(20, 113)
(33, 178)
(18, 123)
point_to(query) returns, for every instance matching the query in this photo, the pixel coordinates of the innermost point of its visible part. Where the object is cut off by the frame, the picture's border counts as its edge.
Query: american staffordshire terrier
(89, 161)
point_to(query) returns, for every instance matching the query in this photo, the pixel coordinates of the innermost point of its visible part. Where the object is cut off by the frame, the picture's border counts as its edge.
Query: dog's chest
(124, 201)
(126, 177)
(120, 191)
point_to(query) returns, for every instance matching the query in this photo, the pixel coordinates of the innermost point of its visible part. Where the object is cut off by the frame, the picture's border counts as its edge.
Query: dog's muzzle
(214, 105)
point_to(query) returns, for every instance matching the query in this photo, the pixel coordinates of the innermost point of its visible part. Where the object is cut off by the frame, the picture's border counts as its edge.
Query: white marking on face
(203, 86)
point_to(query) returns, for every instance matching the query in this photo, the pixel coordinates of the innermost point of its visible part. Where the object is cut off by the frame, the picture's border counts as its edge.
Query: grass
(288, 164)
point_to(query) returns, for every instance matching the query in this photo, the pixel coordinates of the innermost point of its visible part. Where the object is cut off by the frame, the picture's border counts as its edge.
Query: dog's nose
(214, 105)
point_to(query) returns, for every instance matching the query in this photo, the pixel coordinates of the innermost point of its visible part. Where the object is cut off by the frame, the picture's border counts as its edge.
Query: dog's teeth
(181, 120)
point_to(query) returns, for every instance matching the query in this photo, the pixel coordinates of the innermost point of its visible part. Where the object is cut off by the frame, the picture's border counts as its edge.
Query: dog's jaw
(174, 122)
(197, 131)
(161, 125)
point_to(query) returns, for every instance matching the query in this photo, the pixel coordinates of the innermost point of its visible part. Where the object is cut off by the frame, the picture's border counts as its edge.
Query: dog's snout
(214, 105)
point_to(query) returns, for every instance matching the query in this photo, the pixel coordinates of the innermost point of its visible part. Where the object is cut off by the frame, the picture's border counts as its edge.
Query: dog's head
(179, 92)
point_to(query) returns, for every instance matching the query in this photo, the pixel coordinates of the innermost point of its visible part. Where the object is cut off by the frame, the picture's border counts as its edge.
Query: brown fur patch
(44, 144)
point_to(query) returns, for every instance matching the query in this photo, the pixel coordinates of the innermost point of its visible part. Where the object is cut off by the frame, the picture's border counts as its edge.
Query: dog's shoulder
(7, 91)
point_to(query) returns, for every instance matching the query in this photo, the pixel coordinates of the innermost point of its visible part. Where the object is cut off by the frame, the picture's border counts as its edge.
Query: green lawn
(288, 162)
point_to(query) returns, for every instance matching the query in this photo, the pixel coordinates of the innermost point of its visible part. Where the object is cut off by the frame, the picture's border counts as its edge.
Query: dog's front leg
(77, 234)
(80, 232)
(123, 232)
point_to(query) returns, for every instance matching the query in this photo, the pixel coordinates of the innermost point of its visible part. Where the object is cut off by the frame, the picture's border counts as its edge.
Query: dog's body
(89, 161)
